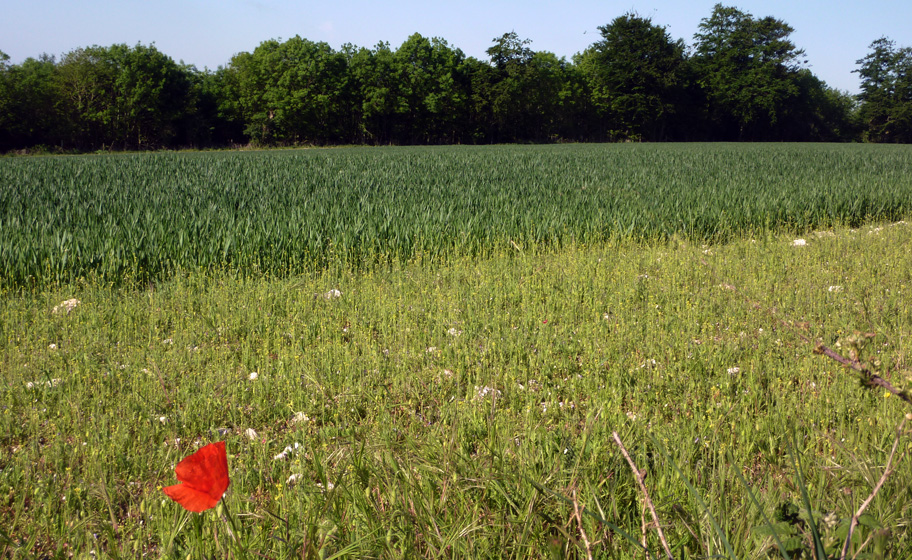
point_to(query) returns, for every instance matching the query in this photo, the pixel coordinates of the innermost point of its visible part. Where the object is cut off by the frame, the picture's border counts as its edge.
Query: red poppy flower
(204, 478)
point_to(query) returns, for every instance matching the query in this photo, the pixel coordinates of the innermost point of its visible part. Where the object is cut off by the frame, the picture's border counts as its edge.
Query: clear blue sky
(207, 33)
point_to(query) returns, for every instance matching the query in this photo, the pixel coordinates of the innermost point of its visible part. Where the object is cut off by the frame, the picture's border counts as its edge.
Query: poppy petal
(204, 476)
(190, 498)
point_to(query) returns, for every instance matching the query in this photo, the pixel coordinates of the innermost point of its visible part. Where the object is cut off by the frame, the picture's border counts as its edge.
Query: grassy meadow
(441, 375)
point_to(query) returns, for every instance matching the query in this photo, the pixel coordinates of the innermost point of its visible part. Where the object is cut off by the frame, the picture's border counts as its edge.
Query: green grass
(453, 405)
(149, 216)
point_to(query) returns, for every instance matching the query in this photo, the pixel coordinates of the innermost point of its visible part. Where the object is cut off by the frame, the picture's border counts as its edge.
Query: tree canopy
(742, 79)
(886, 92)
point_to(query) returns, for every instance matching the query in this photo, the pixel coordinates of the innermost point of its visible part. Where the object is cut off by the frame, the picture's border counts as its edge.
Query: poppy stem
(233, 529)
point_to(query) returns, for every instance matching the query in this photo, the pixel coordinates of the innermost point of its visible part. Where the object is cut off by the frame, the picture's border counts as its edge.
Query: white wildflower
(251, 433)
(799, 243)
(35, 384)
(733, 370)
(253, 375)
(332, 294)
(300, 418)
(287, 452)
(168, 341)
(292, 480)
(66, 306)
(454, 332)
(430, 350)
(834, 289)
(482, 392)
(163, 419)
(329, 486)
(52, 346)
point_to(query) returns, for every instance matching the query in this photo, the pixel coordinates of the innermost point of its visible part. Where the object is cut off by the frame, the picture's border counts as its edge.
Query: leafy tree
(478, 120)
(28, 102)
(204, 123)
(575, 113)
(522, 91)
(886, 92)
(818, 113)
(636, 76)
(431, 92)
(747, 67)
(151, 94)
(86, 83)
(506, 88)
(6, 102)
(373, 74)
(290, 92)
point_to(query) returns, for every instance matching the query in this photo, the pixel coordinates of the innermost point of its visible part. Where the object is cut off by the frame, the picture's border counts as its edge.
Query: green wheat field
(425, 352)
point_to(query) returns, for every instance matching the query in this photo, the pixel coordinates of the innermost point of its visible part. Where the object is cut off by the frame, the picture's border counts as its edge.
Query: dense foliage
(281, 212)
(742, 80)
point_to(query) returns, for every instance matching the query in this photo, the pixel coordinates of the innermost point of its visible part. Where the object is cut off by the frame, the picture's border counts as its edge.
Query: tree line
(743, 79)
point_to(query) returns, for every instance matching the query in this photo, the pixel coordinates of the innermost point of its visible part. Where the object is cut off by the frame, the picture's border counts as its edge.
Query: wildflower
(733, 370)
(52, 346)
(168, 341)
(332, 294)
(253, 375)
(66, 306)
(288, 451)
(203, 478)
(834, 289)
(251, 433)
(454, 332)
(299, 418)
(482, 392)
(799, 243)
(34, 384)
